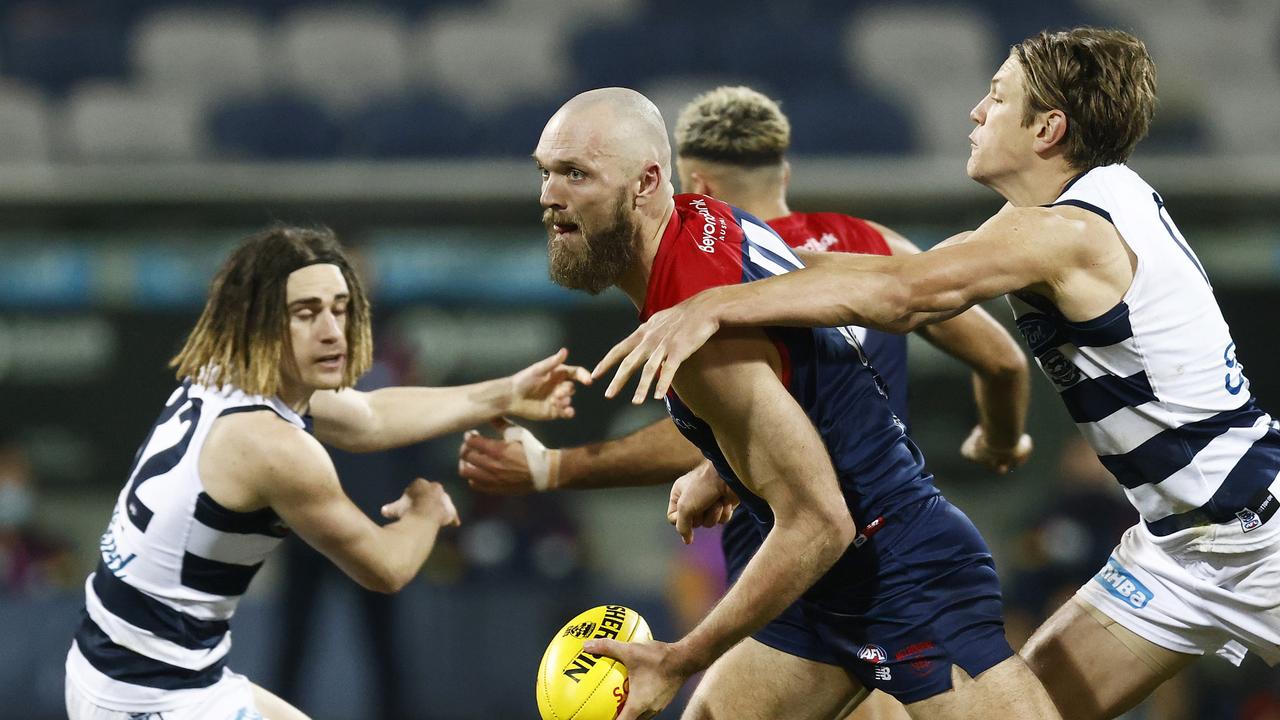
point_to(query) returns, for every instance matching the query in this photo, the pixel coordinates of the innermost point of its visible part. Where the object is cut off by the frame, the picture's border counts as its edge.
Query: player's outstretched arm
(255, 460)
(1001, 378)
(518, 464)
(774, 448)
(393, 417)
(1018, 248)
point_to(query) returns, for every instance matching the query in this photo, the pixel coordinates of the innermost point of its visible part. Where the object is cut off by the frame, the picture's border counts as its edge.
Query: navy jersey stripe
(1086, 206)
(1095, 399)
(1110, 328)
(218, 578)
(786, 262)
(258, 522)
(1245, 484)
(1175, 448)
(143, 611)
(124, 665)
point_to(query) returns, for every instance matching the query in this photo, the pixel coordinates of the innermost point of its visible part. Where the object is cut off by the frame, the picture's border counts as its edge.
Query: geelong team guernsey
(1154, 383)
(174, 565)
(708, 243)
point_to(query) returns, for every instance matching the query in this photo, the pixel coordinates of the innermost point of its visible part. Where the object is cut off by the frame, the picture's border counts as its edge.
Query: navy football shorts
(930, 600)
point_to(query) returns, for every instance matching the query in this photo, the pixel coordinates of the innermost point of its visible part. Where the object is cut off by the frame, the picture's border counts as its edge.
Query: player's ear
(1051, 131)
(652, 181)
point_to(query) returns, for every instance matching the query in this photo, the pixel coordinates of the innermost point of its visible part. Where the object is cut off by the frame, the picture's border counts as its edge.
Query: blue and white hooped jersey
(174, 564)
(1154, 383)
(708, 243)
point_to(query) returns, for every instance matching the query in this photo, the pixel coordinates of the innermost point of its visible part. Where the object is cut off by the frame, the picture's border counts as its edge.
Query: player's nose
(551, 196)
(330, 328)
(977, 113)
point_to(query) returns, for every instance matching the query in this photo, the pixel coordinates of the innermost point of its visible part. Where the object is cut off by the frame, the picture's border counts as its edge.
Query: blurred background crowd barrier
(139, 139)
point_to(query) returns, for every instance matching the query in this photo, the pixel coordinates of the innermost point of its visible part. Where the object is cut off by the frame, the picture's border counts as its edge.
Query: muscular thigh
(1007, 691)
(1093, 667)
(756, 682)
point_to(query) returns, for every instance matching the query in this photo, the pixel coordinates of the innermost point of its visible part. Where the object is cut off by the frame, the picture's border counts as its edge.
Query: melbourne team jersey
(833, 232)
(1154, 383)
(708, 243)
(174, 564)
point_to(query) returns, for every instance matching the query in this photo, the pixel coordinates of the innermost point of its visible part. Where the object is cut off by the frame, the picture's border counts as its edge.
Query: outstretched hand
(544, 390)
(651, 676)
(658, 347)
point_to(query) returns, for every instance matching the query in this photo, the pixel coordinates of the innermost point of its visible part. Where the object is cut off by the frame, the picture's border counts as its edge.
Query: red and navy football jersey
(833, 232)
(709, 243)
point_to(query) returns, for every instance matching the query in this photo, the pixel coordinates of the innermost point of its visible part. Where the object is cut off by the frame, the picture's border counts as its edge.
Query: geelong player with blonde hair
(1121, 317)
(234, 463)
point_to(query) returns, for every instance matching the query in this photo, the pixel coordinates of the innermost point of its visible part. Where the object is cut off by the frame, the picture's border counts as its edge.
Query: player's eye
(576, 174)
(543, 172)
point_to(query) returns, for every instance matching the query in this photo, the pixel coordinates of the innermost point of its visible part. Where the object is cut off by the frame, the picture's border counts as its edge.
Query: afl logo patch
(873, 654)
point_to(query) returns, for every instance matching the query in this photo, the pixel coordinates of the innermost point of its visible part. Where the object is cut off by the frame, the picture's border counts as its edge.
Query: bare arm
(654, 455)
(393, 417)
(731, 385)
(255, 460)
(1001, 378)
(1019, 248)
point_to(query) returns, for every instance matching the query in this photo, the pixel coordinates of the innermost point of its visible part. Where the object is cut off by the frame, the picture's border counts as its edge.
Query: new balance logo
(1121, 584)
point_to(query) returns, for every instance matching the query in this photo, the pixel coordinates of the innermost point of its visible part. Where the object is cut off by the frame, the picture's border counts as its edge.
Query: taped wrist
(544, 464)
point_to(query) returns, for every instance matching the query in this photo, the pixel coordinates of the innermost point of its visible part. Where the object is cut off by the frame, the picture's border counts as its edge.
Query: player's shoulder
(831, 232)
(264, 443)
(700, 249)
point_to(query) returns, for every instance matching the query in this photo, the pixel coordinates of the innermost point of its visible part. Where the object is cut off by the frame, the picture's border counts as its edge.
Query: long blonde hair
(242, 336)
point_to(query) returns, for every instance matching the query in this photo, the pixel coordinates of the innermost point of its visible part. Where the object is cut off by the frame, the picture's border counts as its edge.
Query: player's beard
(595, 262)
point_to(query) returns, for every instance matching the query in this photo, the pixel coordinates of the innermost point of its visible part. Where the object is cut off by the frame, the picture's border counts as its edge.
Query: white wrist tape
(535, 453)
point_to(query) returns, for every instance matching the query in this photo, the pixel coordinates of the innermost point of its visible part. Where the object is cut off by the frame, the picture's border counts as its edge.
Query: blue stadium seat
(274, 128)
(629, 53)
(1015, 20)
(57, 46)
(515, 132)
(784, 53)
(845, 120)
(411, 127)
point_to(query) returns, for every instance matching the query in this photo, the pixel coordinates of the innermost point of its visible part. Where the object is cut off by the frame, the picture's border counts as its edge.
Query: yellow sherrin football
(573, 685)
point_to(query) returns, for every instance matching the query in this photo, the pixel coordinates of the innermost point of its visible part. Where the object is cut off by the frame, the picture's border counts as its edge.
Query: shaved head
(606, 185)
(619, 124)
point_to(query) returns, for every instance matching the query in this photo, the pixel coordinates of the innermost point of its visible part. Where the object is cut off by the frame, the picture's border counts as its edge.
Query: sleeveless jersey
(174, 564)
(708, 243)
(833, 232)
(1154, 383)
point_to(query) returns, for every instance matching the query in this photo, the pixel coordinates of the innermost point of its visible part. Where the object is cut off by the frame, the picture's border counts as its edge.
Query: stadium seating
(861, 76)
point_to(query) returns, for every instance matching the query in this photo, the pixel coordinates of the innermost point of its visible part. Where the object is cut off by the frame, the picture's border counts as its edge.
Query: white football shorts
(1212, 589)
(231, 698)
